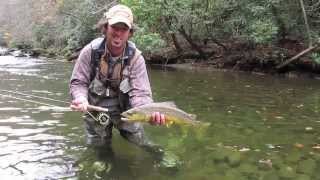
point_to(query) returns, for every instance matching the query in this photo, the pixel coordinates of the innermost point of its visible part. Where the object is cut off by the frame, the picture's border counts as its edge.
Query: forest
(249, 35)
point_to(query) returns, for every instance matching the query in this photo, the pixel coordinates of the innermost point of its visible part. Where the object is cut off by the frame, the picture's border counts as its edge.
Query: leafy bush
(263, 31)
(316, 57)
(147, 41)
(43, 35)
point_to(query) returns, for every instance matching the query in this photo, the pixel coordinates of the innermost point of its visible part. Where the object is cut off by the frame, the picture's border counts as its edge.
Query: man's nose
(117, 32)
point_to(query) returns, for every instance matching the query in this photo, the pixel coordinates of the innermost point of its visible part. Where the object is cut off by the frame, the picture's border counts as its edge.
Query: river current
(262, 127)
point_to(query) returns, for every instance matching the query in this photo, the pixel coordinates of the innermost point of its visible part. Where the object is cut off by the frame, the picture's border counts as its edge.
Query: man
(111, 73)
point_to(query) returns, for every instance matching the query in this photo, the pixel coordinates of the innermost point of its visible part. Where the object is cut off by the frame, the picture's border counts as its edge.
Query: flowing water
(262, 127)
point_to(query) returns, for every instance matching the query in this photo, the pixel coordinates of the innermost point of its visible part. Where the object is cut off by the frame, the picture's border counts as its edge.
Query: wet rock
(170, 160)
(18, 53)
(99, 166)
(265, 164)
(4, 51)
(35, 52)
(219, 155)
(306, 166)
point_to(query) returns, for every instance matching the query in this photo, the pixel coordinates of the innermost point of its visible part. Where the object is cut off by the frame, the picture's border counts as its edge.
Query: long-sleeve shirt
(139, 94)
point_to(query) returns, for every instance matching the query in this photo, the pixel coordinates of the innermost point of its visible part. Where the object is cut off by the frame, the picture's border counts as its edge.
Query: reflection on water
(262, 127)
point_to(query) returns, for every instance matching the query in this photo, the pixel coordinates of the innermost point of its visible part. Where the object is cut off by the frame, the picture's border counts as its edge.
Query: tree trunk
(193, 44)
(283, 31)
(176, 43)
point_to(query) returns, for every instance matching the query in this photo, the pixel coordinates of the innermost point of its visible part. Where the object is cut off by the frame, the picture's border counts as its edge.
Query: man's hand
(80, 104)
(157, 119)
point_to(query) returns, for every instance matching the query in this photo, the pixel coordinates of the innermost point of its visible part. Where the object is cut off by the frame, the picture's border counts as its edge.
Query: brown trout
(173, 115)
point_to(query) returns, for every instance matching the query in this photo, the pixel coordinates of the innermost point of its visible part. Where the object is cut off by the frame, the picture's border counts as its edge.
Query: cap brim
(116, 20)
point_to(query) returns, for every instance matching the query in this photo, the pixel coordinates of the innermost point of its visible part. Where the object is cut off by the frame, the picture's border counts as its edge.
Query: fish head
(126, 115)
(132, 115)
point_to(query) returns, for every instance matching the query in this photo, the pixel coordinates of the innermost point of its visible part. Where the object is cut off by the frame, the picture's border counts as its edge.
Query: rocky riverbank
(239, 56)
(231, 56)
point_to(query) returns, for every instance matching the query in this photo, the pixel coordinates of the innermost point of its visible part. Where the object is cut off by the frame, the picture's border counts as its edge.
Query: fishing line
(28, 100)
(40, 97)
(46, 104)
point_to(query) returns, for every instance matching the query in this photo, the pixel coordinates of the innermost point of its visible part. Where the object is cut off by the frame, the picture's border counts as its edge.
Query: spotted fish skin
(172, 114)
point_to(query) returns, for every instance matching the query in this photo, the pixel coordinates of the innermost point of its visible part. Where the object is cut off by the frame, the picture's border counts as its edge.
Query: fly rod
(31, 95)
(90, 107)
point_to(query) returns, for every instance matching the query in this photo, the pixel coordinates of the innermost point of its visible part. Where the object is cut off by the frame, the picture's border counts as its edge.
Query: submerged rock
(99, 166)
(170, 160)
(219, 155)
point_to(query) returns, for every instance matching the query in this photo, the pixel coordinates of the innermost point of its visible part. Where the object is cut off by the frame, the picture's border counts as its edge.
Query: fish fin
(169, 103)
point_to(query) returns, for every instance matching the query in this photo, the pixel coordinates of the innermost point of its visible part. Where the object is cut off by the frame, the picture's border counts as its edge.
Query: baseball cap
(119, 13)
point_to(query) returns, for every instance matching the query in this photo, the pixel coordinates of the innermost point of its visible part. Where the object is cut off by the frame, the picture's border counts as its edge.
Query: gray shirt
(140, 92)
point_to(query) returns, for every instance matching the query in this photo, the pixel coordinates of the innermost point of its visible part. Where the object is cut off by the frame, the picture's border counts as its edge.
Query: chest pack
(110, 80)
(98, 50)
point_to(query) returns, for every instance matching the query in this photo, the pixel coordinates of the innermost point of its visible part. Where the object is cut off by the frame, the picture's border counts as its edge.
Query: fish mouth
(124, 119)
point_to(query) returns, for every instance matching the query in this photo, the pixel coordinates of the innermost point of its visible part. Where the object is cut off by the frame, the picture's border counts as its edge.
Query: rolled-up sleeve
(80, 78)
(140, 92)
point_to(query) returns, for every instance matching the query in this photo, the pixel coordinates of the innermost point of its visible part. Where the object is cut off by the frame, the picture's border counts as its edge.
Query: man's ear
(104, 29)
(131, 33)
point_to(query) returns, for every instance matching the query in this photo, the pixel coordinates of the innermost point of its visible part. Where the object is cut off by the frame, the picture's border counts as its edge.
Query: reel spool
(104, 118)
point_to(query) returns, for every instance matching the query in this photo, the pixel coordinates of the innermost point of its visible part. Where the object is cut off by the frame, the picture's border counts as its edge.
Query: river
(262, 127)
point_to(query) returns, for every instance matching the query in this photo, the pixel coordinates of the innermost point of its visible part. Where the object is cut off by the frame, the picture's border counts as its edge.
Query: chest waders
(109, 88)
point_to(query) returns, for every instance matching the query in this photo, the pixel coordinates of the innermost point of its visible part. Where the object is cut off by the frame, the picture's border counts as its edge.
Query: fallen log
(295, 57)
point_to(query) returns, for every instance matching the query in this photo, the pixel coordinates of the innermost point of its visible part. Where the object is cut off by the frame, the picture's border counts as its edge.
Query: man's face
(117, 36)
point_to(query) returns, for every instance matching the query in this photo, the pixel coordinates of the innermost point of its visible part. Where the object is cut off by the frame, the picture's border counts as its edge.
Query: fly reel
(104, 118)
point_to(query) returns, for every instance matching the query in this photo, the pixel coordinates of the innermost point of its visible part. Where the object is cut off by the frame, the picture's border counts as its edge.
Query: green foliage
(263, 31)
(147, 15)
(77, 24)
(316, 57)
(71, 23)
(43, 35)
(147, 41)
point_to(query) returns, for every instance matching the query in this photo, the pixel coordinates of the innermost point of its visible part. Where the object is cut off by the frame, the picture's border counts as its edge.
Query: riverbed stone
(99, 166)
(219, 155)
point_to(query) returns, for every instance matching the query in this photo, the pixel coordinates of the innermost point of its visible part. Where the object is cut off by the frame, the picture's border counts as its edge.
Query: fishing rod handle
(97, 108)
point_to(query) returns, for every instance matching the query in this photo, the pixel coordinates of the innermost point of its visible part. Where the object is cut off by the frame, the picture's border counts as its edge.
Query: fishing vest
(110, 82)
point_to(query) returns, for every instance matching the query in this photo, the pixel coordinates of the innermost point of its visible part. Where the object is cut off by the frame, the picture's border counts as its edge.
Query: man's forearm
(78, 89)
